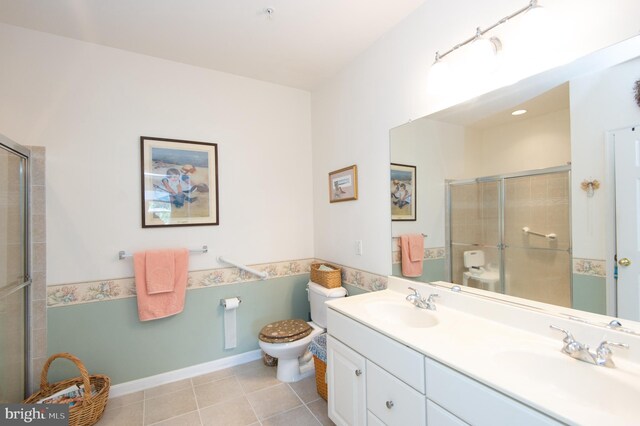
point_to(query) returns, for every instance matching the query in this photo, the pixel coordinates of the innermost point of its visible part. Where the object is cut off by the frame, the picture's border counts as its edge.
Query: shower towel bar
(262, 275)
(551, 236)
(122, 254)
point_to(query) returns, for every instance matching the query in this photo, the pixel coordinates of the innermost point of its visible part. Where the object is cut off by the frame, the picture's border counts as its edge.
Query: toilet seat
(285, 331)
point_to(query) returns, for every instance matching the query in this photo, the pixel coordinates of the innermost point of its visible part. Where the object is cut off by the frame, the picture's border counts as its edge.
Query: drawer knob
(358, 372)
(389, 405)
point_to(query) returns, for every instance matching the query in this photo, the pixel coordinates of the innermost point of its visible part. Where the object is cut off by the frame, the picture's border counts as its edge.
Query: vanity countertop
(522, 359)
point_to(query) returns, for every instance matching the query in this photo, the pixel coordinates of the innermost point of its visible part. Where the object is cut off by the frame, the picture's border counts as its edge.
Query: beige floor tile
(300, 416)
(253, 379)
(189, 419)
(218, 391)
(273, 400)
(234, 412)
(306, 389)
(170, 405)
(321, 411)
(127, 415)
(168, 388)
(123, 400)
(212, 377)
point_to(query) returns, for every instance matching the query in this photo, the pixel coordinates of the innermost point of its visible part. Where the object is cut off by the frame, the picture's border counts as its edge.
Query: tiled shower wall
(38, 266)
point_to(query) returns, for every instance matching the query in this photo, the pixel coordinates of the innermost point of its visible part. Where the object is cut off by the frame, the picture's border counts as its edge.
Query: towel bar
(122, 254)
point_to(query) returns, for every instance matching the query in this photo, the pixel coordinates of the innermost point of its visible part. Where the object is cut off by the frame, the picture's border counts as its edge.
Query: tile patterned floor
(248, 394)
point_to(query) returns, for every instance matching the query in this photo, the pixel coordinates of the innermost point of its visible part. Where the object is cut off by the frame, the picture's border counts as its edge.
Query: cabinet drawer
(476, 403)
(372, 420)
(438, 416)
(391, 400)
(398, 359)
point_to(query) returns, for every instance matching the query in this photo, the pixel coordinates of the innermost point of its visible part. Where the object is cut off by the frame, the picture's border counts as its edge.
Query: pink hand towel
(412, 248)
(160, 269)
(161, 305)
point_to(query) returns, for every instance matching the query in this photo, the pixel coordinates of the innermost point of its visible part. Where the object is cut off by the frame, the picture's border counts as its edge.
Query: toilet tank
(317, 296)
(474, 258)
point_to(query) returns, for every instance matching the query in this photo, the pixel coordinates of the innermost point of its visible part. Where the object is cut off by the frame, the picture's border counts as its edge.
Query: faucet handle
(431, 296)
(568, 338)
(415, 293)
(604, 346)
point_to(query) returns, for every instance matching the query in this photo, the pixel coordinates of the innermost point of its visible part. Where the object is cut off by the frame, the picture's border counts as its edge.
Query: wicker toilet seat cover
(285, 331)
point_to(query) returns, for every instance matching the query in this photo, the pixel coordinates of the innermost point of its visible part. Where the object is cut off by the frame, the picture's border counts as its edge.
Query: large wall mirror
(540, 205)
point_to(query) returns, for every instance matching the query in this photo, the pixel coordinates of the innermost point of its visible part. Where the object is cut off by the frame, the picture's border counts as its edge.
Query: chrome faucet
(420, 301)
(601, 356)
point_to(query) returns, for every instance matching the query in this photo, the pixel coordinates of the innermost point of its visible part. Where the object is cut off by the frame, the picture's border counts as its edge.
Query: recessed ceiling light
(519, 112)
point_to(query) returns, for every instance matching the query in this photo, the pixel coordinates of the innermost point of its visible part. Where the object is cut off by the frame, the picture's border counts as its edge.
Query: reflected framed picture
(403, 192)
(343, 184)
(179, 182)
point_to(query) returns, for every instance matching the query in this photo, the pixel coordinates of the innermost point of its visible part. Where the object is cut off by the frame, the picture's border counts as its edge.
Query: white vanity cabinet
(346, 375)
(467, 400)
(375, 380)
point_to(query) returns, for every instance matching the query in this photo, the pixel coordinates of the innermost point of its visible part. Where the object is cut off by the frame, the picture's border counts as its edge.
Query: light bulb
(438, 78)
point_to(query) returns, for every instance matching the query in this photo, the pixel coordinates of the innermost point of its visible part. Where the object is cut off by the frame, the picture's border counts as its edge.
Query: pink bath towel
(160, 270)
(161, 305)
(412, 248)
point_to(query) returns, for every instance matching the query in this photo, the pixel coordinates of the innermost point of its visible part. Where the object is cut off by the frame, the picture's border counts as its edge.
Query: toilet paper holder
(223, 302)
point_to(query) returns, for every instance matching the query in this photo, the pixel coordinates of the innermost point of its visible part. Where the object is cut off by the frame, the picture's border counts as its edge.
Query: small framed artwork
(403, 192)
(343, 184)
(179, 182)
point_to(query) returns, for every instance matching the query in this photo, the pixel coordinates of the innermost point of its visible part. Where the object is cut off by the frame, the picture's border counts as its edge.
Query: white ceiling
(304, 43)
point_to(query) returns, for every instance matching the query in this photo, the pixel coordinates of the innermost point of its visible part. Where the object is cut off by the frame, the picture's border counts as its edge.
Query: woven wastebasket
(318, 348)
(89, 409)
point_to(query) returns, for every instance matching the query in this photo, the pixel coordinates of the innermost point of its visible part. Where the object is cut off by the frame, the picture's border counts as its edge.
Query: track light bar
(480, 32)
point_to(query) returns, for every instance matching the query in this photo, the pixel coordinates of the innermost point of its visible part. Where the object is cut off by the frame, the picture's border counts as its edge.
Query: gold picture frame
(343, 184)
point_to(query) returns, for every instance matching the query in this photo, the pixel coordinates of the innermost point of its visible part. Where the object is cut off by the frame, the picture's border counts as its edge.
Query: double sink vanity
(398, 357)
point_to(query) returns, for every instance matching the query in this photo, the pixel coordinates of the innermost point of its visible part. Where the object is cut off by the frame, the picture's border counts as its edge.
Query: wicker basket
(328, 279)
(89, 410)
(321, 374)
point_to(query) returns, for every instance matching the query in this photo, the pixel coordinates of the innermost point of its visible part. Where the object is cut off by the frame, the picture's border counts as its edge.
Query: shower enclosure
(14, 270)
(514, 232)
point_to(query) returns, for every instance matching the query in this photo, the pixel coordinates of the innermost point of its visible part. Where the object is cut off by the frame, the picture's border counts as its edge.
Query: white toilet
(481, 278)
(288, 340)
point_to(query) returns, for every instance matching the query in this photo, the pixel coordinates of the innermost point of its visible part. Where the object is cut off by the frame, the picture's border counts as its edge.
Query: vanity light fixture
(492, 44)
(519, 112)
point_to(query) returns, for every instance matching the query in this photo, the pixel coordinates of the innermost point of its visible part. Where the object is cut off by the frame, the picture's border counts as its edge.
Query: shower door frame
(501, 179)
(25, 154)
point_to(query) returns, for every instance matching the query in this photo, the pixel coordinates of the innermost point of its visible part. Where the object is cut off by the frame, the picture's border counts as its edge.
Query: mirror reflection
(515, 192)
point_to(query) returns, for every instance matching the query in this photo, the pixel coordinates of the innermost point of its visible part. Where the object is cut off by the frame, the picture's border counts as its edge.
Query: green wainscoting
(589, 293)
(432, 270)
(109, 338)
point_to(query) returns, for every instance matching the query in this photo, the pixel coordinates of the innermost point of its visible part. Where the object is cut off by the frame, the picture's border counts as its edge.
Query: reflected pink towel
(161, 305)
(412, 248)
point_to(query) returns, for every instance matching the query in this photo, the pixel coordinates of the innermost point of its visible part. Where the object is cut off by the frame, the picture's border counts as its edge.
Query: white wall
(593, 98)
(421, 143)
(89, 105)
(387, 85)
(534, 143)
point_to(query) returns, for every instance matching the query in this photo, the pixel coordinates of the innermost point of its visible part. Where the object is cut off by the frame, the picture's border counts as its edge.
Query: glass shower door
(475, 227)
(537, 263)
(14, 279)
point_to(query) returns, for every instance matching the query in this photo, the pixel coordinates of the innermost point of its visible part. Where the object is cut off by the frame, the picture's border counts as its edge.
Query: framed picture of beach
(343, 184)
(179, 182)
(403, 192)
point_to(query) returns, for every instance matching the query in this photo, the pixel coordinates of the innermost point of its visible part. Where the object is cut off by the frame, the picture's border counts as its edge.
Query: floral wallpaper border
(597, 268)
(104, 290)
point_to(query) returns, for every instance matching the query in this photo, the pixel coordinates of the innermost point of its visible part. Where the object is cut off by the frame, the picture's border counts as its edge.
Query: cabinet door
(346, 380)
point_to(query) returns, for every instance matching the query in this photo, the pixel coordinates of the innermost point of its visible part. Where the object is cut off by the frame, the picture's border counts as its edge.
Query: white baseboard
(183, 373)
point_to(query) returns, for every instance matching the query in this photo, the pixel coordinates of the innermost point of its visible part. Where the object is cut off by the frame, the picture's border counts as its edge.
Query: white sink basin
(576, 382)
(399, 314)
